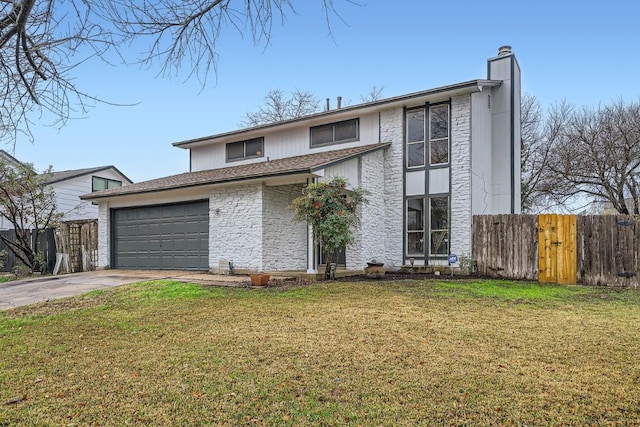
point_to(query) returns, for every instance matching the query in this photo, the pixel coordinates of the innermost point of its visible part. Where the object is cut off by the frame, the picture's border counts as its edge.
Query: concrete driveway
(33, 290)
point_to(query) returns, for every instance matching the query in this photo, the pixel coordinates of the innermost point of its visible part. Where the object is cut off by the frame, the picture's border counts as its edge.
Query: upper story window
(439, 134)
(430, 130)
(335, 133)
(99, 183)
(249, 149)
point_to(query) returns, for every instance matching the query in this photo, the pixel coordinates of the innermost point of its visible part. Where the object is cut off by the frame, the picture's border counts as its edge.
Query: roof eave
(451, 90)
(88, 172)
(105, 197)
(308, 170)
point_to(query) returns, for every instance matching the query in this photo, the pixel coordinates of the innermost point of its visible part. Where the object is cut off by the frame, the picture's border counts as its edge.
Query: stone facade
(372, 236)
(391, 130)
(284, 239)
(104, 236)
(235, 227)
(461, 217)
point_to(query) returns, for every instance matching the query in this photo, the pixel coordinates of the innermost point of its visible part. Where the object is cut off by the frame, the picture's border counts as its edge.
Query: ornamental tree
(29, 204)
(331, 210)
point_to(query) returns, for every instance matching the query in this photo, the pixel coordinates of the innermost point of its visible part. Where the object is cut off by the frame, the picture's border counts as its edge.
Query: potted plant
(259, 279)
(374, 269)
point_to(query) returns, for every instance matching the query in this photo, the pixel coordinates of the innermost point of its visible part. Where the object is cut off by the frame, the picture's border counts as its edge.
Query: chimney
(328, 105)
(504, 50)
(339, 102)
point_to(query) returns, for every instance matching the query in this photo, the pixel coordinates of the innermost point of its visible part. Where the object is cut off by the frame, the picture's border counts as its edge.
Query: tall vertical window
(439, 134)
(439, 225)
(432, 131)
(415, 227)
(415, 138)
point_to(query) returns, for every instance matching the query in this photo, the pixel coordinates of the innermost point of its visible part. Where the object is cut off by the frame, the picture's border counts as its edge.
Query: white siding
(348, 170)
(502, 115)
(68, 194)
(280, 144)
(481, 158)
(415, 183)
(439, 180)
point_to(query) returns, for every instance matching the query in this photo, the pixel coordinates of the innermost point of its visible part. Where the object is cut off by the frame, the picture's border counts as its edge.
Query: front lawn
(402, 353)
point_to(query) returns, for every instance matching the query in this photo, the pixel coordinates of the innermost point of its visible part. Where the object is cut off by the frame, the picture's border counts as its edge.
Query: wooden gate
(557, 262)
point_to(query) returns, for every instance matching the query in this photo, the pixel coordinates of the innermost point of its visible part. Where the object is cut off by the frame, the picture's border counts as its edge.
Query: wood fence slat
(592, 250)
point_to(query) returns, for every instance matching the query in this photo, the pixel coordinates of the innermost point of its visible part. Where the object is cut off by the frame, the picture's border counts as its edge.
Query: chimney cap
(504, 50)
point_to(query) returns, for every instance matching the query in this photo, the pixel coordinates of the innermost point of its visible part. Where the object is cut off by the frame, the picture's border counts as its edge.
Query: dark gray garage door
(162, 237)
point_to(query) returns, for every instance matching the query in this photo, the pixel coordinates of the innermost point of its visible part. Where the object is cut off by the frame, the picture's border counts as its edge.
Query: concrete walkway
(33, 290)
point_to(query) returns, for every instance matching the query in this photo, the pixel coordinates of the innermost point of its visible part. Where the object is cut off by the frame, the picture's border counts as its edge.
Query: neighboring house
(8, 160)
(430, 160)
(70, 185)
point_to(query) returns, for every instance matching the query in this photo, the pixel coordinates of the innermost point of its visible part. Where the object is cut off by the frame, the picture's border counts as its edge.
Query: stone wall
(371, 236)
(391, 130)
(235, 227)
(461, 217)
(284, 239)
(104, 237)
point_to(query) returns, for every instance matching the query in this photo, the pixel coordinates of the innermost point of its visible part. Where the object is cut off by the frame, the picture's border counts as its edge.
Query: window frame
(333, 141)
(244, 149)
(428, 141)
(446, 139)
(407, 231)
(409, 143)
(106, 181)
(432, 230)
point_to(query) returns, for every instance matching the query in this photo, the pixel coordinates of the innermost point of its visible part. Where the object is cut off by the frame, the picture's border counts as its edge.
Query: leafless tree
(598, 156)
(277, 107)
(540, 132)
(373, 95)
(43, 41)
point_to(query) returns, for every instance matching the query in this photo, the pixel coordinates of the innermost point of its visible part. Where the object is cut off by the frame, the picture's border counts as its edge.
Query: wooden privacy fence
(45, 244)
(74, 241)
(77, 246)
(592, 250)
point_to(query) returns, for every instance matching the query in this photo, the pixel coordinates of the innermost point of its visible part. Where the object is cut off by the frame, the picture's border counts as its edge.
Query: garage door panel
(162, 237)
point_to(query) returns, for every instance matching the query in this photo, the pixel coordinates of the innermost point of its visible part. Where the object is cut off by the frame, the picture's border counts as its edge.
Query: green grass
(371, 353)
(7, 278)
(513, 291)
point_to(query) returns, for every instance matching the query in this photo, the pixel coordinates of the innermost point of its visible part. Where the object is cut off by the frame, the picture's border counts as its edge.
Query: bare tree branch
(43, 41)
(277, 107)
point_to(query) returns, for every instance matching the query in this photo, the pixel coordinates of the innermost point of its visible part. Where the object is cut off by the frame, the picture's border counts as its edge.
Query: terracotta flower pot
(259, 279)
(375, 270)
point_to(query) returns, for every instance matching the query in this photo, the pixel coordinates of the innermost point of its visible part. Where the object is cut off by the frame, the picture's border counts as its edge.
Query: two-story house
(430, 160)
(69, 185)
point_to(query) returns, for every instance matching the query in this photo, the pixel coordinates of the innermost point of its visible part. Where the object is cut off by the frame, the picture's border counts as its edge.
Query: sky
(586, 53)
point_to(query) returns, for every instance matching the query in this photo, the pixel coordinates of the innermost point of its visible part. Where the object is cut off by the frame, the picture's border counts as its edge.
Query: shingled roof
(305, 164)
(63, 175)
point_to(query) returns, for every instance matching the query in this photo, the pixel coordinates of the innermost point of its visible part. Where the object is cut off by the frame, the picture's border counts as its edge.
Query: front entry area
(161, 237)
